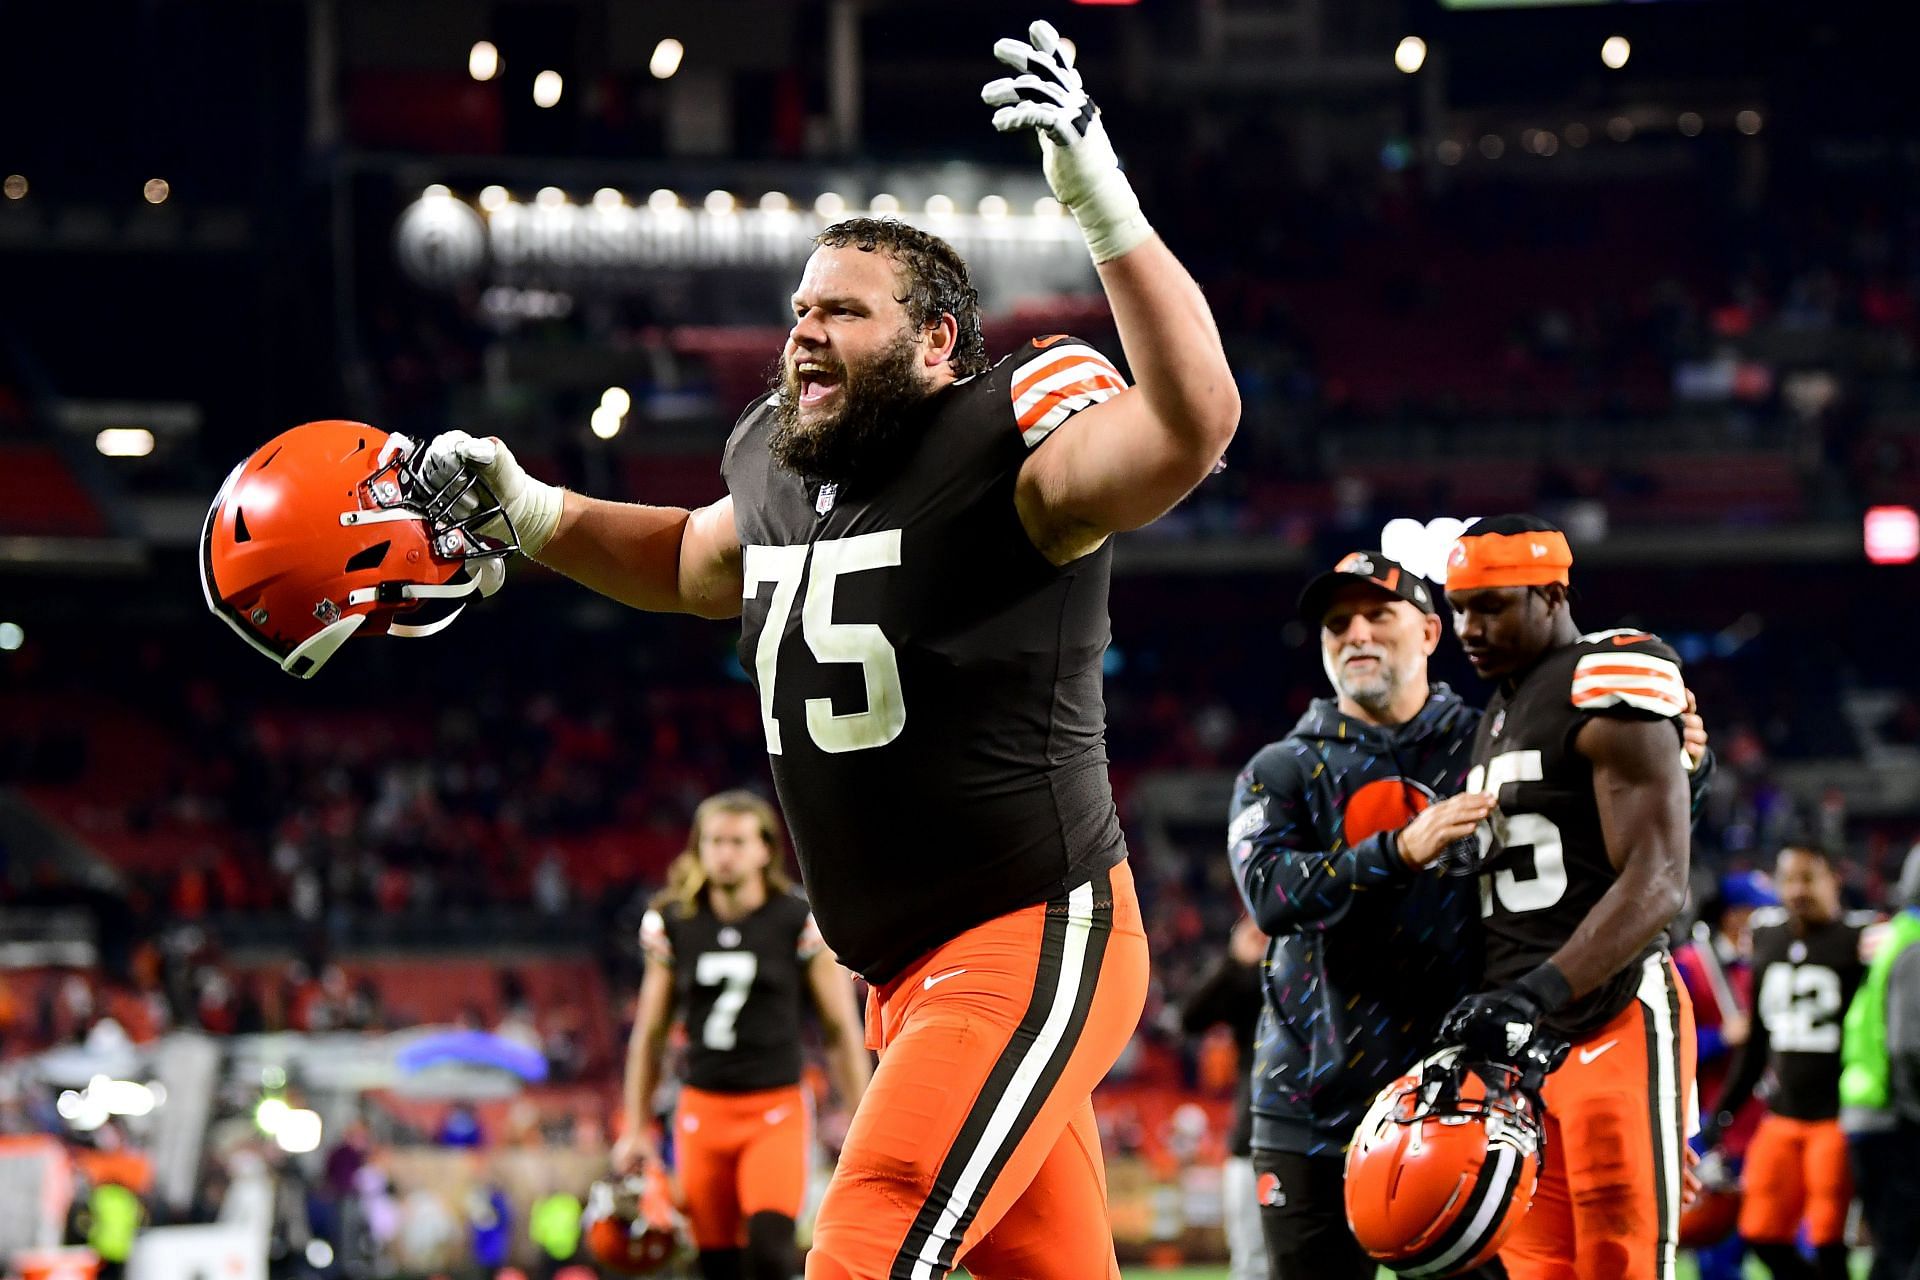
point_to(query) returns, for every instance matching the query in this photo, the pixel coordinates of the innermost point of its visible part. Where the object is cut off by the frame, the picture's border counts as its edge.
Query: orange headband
(1531, 559)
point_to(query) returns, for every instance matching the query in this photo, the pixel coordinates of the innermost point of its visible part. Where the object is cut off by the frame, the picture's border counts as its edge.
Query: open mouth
(817, 381)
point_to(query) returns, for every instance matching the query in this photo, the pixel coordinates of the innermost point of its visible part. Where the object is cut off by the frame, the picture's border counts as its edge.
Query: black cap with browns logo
(1369, 567)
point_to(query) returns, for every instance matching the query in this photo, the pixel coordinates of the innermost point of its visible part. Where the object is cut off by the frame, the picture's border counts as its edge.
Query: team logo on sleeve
(1246, 822)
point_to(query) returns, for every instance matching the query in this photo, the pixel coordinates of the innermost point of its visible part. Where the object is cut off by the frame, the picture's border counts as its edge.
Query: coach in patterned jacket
(1337, 835)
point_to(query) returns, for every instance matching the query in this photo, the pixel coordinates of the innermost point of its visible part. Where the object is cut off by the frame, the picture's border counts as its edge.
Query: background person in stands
(1229, 995)
(1880, 1087)
(1721, 1026)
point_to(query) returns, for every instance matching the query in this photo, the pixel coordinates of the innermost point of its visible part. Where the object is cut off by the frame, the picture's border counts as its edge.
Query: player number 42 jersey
(1547, 865)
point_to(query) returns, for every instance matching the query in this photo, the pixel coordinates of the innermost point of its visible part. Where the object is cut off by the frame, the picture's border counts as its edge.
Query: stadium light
(1747, 122)
(483, 60)
(546, 88)
(939, 206)
(299, 1131)
(1615, 50)
(319, 1254)
(1690, 123)
(550, 198)
(605, 422)
(1493, 146)
(1410, 54)
(124, 442)
(1448, 151)
(666, 58)
(1892, 535)
(719, 203)
(157, 190)
(270, 1115)
(993, 207)
(493, 198)
(775, 202)
(437, 191)
(15, 186)
(1620, 129)
(616, 399)
(663, 201)
(830, 204)
(884, 203)
(12, 636)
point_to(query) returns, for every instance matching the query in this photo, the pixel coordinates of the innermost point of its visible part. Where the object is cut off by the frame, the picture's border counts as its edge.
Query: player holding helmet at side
(1586, 867)
(916, 541)
(734, 951)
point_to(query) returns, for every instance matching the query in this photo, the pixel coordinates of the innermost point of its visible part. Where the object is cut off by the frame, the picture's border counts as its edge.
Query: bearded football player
(1584, 867)
(915, 538)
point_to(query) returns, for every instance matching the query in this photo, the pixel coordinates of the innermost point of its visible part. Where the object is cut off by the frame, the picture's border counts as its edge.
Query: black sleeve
(1291, 884)
(1749, 1063)
(1213, 1000)
(1699, 782)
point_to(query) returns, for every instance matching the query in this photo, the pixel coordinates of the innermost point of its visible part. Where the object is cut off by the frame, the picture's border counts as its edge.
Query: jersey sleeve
(1289, 881)
(1055, 378)
(1629, 674)
(810, 943)
(655, 942)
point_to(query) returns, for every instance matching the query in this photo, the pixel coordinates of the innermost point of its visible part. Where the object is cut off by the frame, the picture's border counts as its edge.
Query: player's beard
(873, 429)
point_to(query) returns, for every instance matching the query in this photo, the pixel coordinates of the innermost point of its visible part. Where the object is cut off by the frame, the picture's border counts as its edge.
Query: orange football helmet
(329, 530)
(1714, 1214)
(1445, 1163)
(632, 1227)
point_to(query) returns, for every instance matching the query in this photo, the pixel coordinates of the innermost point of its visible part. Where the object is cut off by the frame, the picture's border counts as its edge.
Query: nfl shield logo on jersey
(824, 503)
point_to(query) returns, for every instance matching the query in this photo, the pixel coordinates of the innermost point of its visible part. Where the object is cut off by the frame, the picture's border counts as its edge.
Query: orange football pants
(738, 1154)
(1795, 1169)
(976, 1141)
(1618, 1111)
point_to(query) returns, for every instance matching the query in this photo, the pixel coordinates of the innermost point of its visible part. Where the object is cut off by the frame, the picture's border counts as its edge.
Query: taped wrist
(536, 514)
(1088, 181)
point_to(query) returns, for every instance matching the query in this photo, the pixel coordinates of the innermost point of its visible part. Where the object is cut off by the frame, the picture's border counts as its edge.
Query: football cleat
(1446, 1162)
(632, 1227)
(329, 531)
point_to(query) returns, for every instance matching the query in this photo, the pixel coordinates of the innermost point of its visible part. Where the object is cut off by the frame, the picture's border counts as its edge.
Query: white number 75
(861, 642)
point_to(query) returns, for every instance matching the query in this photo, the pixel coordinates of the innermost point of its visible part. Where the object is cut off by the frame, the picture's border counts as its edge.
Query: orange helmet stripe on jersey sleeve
(1644, 681)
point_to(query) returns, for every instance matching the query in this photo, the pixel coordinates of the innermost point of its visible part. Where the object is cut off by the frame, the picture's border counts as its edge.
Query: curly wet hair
(934, 274)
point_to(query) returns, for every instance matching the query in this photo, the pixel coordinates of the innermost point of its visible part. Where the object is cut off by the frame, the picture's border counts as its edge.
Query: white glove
(532, 505)
(1081, 167)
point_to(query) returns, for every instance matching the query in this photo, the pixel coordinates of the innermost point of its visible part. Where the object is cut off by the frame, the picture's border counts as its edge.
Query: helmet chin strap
(484, 576)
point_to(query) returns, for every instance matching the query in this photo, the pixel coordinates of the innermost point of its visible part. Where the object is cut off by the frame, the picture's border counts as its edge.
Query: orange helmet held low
(1444, 1165)
(329, 531)
(632, 1226)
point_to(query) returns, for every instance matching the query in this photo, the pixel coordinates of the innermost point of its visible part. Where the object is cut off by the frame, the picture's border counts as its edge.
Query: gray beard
(872, 434)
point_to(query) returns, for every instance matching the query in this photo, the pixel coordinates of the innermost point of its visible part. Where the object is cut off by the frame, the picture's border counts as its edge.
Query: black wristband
(1548, 987)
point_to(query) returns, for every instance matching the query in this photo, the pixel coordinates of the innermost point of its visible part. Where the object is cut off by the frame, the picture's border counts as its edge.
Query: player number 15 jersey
(1547, 865)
